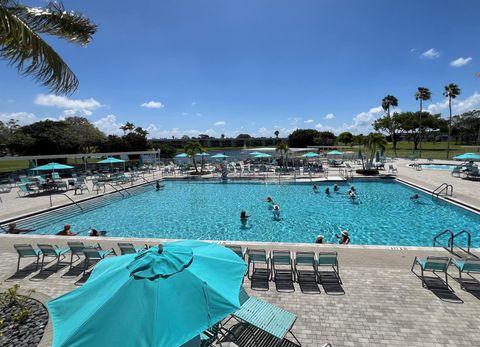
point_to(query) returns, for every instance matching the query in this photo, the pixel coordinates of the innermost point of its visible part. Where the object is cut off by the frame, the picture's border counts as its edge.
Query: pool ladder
(444, 187)
(451, 240)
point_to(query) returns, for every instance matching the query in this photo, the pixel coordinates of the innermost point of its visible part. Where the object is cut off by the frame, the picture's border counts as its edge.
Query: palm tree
(374, 142)
(22, 46)
(451, 92)
(423, 94)
(388, 102)
(192, 148)
(283, 149)
(127, 127)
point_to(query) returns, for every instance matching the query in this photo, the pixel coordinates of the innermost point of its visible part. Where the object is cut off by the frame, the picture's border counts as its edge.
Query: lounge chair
(49, 251)
(76, 249)
(261, 315)
(392, 169)
(432, 264)
(27, 251)
(27, 189)
(258, 257)
(209, 336)
(283, 259)
(328, 259)
(97, 185)
(469, 265)
(238, 250)
(128, 248)
(457, 171)
(94, 255)
(304, 264)
(473, 174)
(81, 185)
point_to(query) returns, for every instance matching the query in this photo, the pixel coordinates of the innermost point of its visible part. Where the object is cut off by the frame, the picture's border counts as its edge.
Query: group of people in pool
(343, 238)
(352, 193)
(275, 208)
(66, 231)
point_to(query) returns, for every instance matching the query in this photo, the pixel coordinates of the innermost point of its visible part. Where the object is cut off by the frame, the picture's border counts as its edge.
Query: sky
(189, 67)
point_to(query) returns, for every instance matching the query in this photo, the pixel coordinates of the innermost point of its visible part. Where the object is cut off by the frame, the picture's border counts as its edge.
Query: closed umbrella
(164, 296)
(220, 156)
(255, 153)
(262, 155)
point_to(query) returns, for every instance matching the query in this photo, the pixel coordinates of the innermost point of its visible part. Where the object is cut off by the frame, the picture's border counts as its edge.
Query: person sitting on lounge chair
(344, 238)
(66, 231)
(12, 229)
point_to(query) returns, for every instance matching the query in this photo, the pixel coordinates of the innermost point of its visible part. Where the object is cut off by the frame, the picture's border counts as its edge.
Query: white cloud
(432, 53)
(153, 104)
(263, 132)
(362, 122)
(23, 118)
(308, 121)
(458, 106)
(329, 116)
(109, 125)
(70, 106)
(460, 62)
(219, 123)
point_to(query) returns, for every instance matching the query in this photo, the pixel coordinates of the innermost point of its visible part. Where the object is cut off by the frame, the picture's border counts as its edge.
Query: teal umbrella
(220, 156)
(111, 160)
(51, 167)
(164, 296)
(203, 154)
(262, 155)
(181, 155)
(310, 155)
(335, 152)
(255, 153)
(468, 156)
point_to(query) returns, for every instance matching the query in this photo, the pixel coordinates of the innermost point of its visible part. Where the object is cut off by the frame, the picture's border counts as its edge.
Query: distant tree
(325, 138)
(127, 127)
(192, 148)
(303, 137)
(84, 133)
(466, 127)
(282, 148)
(22, 46)
(422, 94)
(222, 136)
(243, 136)
(388, 102)
(451, 92)
(167, 151)
(392, 126)
(345, 138)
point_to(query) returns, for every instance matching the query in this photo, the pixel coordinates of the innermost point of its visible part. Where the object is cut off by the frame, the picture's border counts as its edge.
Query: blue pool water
(448, 167)
(382, 215)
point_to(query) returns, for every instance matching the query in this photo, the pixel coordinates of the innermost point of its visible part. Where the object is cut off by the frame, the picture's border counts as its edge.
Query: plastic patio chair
(467, 266)
(48, 250)
(95, 255)
(283, 259)
(258, 257)
(27, 251)
(304, 260)
(432, 264)
(128, 248)
(328, 259)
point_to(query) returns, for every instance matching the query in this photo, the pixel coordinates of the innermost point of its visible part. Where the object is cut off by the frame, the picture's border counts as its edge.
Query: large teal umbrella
(310, 155)
(334, 152)
(181, 155)
(220, 156)
(468, 156)
(164, 296)
(255, 153)
(203, 154)
(111, 160)
(262, 155)
(51, 167)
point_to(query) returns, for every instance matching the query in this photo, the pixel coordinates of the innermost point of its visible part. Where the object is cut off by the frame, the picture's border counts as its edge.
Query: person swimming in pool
(315, 188)
(244, 218)
(352, 195)
(66, 231)
(327, 191)
(344, 238)
(276, 212)
(269, 200)
(415, 197)
(320, 239)
(12, 229)
(336, 188)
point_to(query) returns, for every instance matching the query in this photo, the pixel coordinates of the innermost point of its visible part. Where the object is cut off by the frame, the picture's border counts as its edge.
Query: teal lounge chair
(282, 263)
(329, 259)
(94, 255)
(238, 250)
(128, 248)
(49, 251)
(263, 316)
(432, 264)
(76, 249)
(27, 251)
(468, 266)
(27, 189)
(304, 264)
(258, 257)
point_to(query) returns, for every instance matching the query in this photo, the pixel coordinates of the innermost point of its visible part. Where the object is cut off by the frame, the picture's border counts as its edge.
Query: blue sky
(256, 66)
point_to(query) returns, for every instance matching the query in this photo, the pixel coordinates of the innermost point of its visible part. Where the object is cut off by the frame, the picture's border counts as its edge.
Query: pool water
(448, 167)
(383, 214)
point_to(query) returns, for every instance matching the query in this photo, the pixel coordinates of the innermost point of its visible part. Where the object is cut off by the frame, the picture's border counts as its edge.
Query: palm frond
(55, 20)
(31, 55)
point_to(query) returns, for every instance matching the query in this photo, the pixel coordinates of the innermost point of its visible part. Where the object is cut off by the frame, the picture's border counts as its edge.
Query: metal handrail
(69, 198)
(443, 187)
(450, 243)
(118, 191)
(469, 240)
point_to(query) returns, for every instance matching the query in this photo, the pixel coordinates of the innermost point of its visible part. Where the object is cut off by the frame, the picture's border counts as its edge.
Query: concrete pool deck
(379, 303)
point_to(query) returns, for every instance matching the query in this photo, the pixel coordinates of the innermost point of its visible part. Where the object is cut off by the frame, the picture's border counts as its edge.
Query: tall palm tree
(388, 102)
(283, 149)
(374, 142)
(451, 92)
(22, 46)
(422, 94)
(192, 148)
(127, 127)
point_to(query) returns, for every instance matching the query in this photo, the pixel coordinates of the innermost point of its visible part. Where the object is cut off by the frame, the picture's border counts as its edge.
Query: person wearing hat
(66, 231)
(344, 238)
(320, 239)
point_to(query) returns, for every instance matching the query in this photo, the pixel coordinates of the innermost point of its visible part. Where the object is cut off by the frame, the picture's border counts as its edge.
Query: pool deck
(379, 303)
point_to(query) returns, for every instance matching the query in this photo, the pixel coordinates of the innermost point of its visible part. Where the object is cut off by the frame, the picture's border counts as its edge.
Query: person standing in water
(336, 188)
(315, 188)
(244, 218)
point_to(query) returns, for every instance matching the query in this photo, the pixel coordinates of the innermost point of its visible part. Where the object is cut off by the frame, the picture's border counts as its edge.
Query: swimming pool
(382, 215)
(448, 167)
